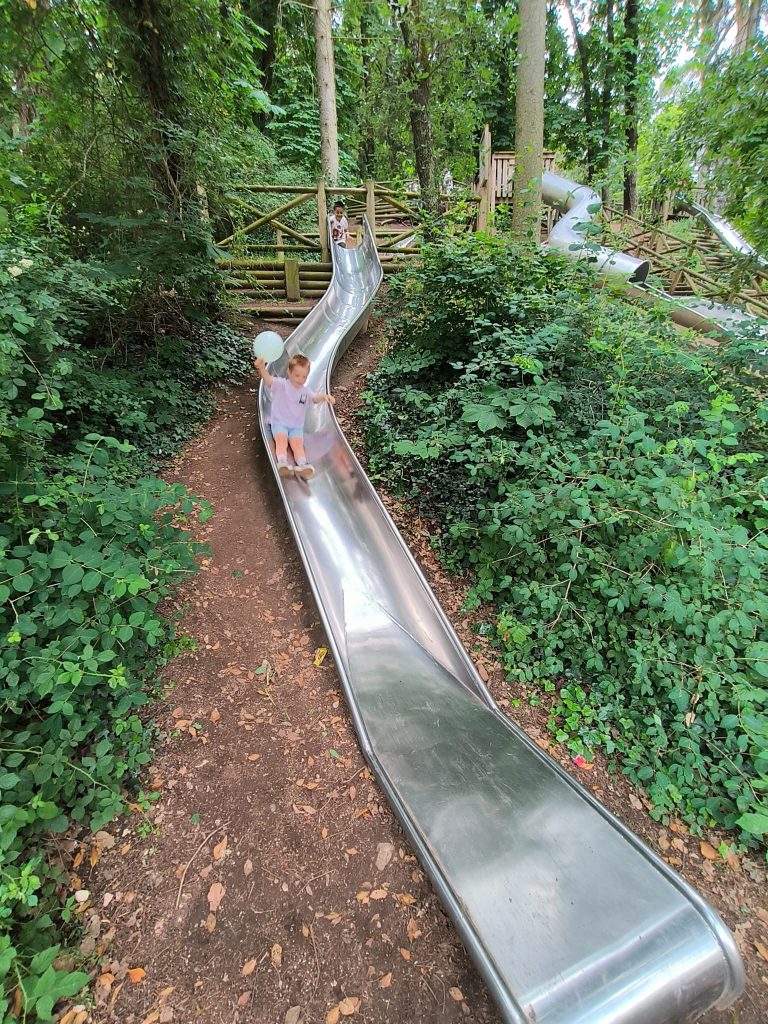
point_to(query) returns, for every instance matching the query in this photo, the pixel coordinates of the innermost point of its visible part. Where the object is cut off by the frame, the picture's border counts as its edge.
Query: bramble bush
(605, 483)
(88, 550)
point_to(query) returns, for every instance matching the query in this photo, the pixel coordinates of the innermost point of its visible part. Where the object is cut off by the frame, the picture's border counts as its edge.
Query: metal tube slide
(727, 233)
(581, 204)
(568, 916)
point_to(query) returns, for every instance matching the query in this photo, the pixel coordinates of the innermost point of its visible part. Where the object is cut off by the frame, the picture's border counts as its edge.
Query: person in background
(290, 404)
(339, 225)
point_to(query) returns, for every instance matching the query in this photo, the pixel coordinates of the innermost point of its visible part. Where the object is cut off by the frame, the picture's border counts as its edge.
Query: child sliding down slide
(290, 403)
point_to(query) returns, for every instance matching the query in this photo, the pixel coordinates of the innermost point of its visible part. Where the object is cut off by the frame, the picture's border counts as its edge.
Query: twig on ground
(189, 862)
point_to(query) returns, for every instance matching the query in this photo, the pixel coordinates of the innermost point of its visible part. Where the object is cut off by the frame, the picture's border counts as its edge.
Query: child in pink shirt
(290, 402)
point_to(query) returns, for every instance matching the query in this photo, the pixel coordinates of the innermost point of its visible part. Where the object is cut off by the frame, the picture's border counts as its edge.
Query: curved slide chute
(580, 205)
(727, 233)
(568, 916)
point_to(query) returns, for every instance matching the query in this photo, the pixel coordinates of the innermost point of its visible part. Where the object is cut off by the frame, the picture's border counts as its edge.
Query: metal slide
(580, 204)
(568, 916)
(727, 233)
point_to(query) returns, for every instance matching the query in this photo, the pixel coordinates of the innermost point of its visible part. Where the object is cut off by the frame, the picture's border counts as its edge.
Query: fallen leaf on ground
(379, 894)
(761, 949)
(215, 896)
(215, 716)
(405, 898)
(243, 999)
(405, 953)
(413, 931)
(210, 923)
(152, 1018)
(277, 955)
(293, 1016)
(386, 981)
(248, 867)
(708, 851)
(332, 1017)
(349, 1006)
(249, 968)
(218, 852)
(456, 994)
(137, 974)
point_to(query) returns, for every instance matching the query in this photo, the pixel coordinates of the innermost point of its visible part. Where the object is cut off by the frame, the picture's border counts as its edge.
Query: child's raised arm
(261, 366)
(324, 398)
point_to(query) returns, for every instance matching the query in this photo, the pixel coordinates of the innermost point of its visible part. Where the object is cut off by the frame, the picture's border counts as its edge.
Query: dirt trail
(270, 882)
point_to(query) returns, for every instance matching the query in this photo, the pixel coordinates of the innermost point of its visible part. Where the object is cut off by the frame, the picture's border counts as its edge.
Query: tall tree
(149, 42)
(631, 90)
(326, 91)
(747, 23)
(529, 118)
(418, 72)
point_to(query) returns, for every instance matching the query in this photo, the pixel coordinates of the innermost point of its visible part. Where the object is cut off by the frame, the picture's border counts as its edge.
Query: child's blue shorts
(278, 428)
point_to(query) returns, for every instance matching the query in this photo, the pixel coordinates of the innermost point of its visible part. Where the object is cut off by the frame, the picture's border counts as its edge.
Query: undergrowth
(605, 483)
(102, 376)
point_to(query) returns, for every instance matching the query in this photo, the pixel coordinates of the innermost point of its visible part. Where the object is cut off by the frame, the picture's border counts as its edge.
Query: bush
(605, 483)
(88, 550)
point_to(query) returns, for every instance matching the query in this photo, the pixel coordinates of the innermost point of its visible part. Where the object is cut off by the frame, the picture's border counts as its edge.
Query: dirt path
(270, 883)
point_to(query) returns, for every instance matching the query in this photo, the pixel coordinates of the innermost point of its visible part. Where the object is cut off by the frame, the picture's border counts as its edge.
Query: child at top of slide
(290, 403)
(339, 225)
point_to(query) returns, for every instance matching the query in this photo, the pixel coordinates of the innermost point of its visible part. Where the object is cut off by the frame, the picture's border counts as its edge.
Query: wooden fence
(275, 265)
(700, 265)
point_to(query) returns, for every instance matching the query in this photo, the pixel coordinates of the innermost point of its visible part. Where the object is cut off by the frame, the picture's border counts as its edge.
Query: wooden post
(292, 288)
(370, 207)
(280, 257)
(322, 221)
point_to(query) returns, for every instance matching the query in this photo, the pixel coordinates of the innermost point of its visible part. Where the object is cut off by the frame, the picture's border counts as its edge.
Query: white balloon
(268, 346)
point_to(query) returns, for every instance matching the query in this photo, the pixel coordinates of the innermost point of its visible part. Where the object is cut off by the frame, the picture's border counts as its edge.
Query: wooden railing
(271, 267)
(701, 265)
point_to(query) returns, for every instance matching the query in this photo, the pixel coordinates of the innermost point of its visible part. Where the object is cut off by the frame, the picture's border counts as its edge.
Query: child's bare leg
(302, 468)
(297, 447)
(281, 447)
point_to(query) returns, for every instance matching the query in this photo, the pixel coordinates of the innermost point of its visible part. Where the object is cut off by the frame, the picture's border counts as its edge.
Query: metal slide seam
(519, 853)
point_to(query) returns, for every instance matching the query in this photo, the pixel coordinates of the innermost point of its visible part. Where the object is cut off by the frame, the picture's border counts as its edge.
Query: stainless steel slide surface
(568, 916)
(581, 204)
(727, 233)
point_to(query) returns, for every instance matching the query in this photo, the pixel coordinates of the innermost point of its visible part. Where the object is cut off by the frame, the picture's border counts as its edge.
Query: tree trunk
(367, 141)
(265, 14)
(631, 43)
(712, 26)
(747, 23)
(417, 69)
(529, 119)
(606, 100)
(586, 87)
(143, 22)
(326, 92)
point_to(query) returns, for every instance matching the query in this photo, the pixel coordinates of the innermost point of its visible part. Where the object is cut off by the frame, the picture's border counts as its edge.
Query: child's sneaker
(306, 472)
(284, 469)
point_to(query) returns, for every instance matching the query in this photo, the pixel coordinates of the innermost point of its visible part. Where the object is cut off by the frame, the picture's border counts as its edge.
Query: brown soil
(270, 883)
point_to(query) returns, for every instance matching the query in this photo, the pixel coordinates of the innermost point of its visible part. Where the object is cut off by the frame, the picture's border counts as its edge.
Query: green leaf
(755, 824)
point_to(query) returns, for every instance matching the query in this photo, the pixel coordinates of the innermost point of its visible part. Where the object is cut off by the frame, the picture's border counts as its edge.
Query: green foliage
(724, 127)
(606, 486)
(88, 550)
